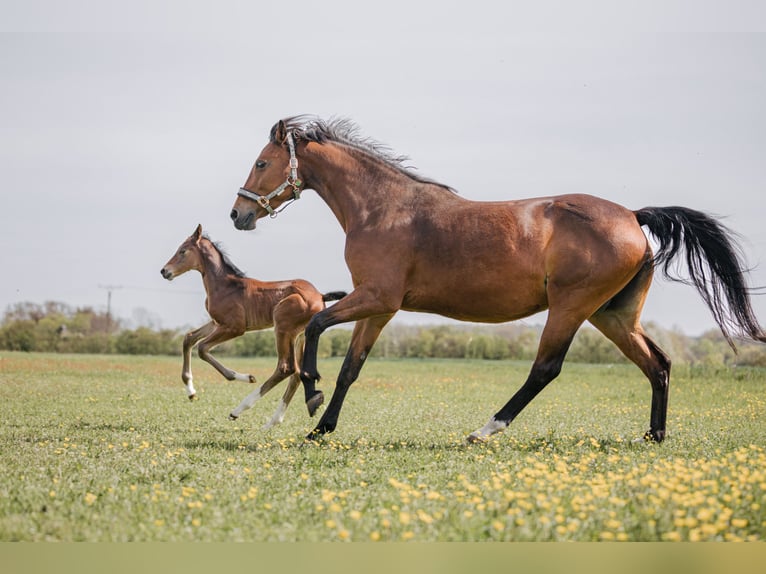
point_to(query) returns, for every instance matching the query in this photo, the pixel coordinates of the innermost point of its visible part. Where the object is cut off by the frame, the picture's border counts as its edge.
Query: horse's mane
(345, 131)
(228, 266)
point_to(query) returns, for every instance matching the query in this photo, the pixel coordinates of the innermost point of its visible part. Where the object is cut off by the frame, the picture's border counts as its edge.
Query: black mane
(345, 131)
(228, 266)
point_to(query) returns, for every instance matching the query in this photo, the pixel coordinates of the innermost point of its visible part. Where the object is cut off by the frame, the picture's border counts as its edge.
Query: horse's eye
(182, 252)
(260, 164)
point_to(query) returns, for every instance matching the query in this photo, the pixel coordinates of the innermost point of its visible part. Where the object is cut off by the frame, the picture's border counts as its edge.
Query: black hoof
(315, 435)
(654, 436)
(315, 402)
(233, 417)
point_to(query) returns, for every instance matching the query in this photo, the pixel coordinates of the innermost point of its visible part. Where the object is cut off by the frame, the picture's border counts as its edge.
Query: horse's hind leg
(190, 339)
(619, 321)
(557, 335)
(286, 366)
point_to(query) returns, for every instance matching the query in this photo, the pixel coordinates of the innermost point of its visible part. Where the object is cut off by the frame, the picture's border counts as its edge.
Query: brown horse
(414, 244)
(238, 304)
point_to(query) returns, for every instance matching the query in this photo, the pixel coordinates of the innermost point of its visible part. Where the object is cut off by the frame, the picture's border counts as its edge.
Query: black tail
(334, 295)
(714, 264)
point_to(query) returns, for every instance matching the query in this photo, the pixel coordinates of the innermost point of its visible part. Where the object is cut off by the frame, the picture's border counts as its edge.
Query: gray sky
(122, 128)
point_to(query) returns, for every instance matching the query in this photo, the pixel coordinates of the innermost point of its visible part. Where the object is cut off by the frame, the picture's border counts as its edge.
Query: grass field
(108, 448)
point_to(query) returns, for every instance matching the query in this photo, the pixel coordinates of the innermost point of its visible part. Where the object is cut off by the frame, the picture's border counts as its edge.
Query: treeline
(57, 327)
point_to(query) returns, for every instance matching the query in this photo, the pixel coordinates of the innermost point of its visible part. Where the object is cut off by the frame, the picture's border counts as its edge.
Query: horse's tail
(714, 262)
(334, 295)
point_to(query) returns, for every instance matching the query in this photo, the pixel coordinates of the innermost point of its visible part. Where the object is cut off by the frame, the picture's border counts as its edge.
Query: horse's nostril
(234, 214)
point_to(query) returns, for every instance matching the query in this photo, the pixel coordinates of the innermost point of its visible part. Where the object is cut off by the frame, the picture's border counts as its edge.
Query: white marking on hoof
(278, 417)
(244, 378)
(247, 403)
(190, 392)
(483, 434)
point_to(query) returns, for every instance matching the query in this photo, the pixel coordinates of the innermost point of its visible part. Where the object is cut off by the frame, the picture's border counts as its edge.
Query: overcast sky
(121, 129)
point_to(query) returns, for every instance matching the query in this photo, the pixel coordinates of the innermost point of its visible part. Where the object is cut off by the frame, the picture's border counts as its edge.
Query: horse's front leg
(190, 339)
(359, 304)
(366, 332)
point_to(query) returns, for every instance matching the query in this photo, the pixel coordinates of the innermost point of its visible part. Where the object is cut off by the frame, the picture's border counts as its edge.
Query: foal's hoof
(233, 417)
(192, 397)
(315, 402)
(251, 379)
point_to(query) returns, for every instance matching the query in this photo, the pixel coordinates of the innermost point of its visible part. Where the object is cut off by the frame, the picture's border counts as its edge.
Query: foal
(238, 304)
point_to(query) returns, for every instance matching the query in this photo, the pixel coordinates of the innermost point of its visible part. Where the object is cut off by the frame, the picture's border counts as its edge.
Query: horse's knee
(285, 368)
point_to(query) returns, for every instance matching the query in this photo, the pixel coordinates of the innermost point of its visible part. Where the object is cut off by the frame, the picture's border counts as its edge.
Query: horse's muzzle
(241, 221)
(166, 274)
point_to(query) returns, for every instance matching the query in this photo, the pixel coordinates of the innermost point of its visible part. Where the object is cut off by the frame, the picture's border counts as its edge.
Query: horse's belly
(480, 303)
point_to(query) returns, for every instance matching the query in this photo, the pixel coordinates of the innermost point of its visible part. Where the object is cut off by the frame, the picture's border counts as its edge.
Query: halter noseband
(291, 181)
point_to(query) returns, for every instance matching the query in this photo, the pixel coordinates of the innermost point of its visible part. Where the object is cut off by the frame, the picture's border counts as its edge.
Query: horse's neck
(343, 179)
(212, 268)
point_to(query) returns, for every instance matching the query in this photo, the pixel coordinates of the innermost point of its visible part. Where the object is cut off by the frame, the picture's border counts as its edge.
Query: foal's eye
(260, 164)
(182, 252)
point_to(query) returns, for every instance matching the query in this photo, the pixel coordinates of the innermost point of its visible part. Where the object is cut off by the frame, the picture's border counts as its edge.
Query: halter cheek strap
(291, 181)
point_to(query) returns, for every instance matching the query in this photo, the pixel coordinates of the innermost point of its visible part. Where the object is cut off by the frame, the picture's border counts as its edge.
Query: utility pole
(109, 289)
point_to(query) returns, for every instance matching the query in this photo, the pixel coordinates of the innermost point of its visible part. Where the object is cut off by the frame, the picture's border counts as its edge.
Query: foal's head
(188, 256)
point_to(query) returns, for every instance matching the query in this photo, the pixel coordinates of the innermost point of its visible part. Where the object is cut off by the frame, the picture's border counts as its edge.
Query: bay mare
(238, 304)
(414, 244)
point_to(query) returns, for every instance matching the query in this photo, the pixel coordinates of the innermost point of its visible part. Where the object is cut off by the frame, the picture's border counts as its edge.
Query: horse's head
(273, 181)
(186, 257)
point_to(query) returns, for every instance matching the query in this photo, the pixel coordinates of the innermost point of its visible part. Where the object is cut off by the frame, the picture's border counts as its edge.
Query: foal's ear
(197, 233)
(280, 132)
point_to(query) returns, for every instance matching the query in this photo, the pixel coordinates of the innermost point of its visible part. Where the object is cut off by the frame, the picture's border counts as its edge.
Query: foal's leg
(220, 335)
(366, 332)
(190, 339)
(292, 386)
(557, 335)
(286, 366)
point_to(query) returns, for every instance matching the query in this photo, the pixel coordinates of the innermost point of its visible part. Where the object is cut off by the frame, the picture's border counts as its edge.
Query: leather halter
(291, 181)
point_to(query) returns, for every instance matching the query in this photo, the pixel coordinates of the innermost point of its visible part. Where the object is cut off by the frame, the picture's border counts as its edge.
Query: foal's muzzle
(166, 274)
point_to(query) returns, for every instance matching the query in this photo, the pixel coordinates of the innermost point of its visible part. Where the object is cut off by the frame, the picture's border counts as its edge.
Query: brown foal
(238, 304)
(414, 244)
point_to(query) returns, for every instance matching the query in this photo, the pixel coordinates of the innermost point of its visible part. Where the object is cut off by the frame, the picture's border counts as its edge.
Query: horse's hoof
(252, 379)
(192, 397)
(315, 402)
(475, 438)
(651, 437)
(233, 417)
(314, 436)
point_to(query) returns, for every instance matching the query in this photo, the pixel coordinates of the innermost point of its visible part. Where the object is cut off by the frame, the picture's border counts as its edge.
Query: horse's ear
(280, 132)
(197, 233)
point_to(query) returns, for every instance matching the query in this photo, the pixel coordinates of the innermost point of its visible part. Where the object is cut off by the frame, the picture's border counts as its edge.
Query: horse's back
(504, 260)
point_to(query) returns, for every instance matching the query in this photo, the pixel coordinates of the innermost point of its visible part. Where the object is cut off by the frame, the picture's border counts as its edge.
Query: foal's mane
(228, 266)
(345, 131)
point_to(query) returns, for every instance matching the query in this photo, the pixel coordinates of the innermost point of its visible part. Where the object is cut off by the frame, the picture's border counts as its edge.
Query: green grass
(107, 448)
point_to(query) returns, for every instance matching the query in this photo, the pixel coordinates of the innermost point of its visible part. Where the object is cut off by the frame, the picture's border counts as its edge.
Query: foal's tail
(334, 296)
(714, 264)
